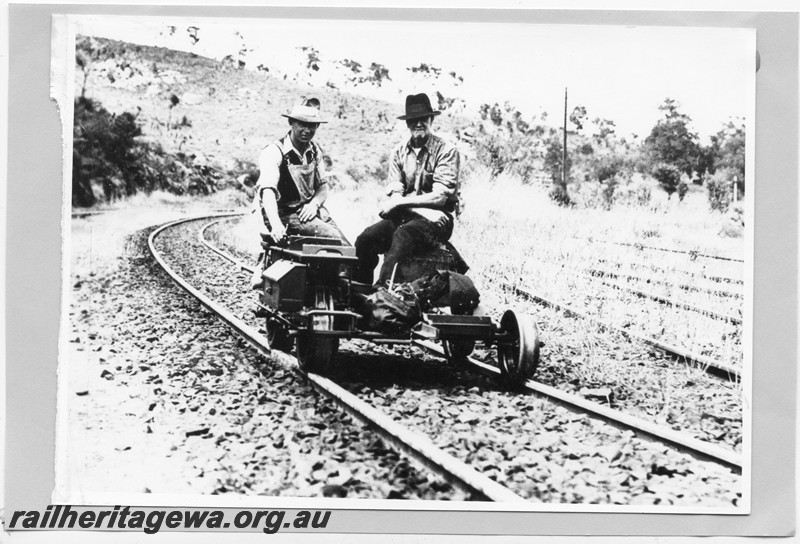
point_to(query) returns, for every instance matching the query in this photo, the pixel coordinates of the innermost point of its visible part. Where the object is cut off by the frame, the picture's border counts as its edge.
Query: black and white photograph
(407, 265)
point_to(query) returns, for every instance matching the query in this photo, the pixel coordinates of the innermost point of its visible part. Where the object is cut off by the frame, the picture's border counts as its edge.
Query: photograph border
(21, 194)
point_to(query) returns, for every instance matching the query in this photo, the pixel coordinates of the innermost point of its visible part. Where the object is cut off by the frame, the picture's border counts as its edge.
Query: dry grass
(516, 229)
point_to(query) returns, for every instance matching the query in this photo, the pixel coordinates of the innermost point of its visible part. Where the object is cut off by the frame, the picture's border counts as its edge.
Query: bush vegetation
(601, 165)
(719, 192)
(111, 161)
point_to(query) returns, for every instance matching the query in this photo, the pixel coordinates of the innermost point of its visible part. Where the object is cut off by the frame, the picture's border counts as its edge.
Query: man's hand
(389, 205)
(278, 233)
(308, 212)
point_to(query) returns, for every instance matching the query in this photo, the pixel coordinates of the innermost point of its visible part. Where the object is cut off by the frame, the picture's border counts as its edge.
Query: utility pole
(564, 150)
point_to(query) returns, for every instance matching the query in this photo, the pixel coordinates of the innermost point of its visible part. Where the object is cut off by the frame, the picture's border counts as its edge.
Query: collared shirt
(434, 168)
(272, 163)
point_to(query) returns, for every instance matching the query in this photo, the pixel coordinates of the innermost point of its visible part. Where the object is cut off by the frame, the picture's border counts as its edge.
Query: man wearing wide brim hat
(423, 198)
(292, 187)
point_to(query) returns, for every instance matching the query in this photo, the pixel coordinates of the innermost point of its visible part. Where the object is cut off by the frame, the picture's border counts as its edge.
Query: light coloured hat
(306, 110)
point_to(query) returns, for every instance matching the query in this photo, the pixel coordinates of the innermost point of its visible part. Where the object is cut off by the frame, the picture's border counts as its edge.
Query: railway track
(414, 445)
(668, 301)
(620, 420)
(693, 255)
(649, 281)
(692, 276)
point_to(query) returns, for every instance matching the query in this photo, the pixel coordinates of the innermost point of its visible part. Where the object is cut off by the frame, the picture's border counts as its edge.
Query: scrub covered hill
(152, 118)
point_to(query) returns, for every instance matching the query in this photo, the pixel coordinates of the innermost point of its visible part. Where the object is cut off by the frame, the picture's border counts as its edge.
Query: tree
(607, 166)
(553, 161)
(731, 145)
(378, 73)
(312, 57)
(444, 102)
(88, 51)
(193, 32)
(606, 132)
(706, 159)
(496, 115)
(669, 177)
(671, 142)
(425, 69)
(578, 117)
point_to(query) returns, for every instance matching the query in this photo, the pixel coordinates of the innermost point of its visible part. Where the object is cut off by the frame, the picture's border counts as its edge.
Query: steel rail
(684, 286)
(715, 279)
(709, 365)
(693, 255)
(616, 418)
(202, 237)
(644, 429)
(416, 446)
(669, 302)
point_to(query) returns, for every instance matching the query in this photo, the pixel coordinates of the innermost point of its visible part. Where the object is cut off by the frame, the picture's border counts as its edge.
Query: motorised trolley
(309, 301)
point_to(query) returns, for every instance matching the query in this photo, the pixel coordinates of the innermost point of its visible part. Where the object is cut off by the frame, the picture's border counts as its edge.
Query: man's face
(303, 132)
(420, 129)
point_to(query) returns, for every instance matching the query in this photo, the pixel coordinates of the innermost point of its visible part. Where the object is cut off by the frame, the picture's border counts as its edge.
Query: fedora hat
(306, 110)
(418, 105)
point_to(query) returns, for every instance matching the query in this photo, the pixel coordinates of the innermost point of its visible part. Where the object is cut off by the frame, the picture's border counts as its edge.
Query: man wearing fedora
(292, 188)
(422, 197)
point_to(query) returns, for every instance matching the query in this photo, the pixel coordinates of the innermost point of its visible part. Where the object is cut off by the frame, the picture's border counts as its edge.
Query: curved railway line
(650, 431)
(416, 446)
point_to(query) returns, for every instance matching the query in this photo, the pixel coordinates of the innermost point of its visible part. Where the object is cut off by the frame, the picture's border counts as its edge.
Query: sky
(617, 73)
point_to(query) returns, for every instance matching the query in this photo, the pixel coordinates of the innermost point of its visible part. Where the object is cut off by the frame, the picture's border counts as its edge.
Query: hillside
(224, 115)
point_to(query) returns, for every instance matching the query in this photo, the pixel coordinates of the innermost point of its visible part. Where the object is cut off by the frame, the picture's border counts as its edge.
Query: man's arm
(269, 162)
(424, 200)
(446, 171)
(269, 203)
(394, 178)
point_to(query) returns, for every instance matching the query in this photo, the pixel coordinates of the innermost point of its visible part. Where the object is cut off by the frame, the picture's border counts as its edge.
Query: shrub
(734, 226)
(609, 188)
(558, 194)
(668, 177)
(682, 190)
(489, 151)
(731, 230)
(589, 195)
(606, 167)
(553, 159)
(650, 232)
(364, 172)
(634, 194)
(719, 191)
(737, 215)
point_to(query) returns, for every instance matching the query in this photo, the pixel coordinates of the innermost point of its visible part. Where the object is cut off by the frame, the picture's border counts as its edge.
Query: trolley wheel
(277, 337)
(315, 353)
(519, 357)
(457, 351)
